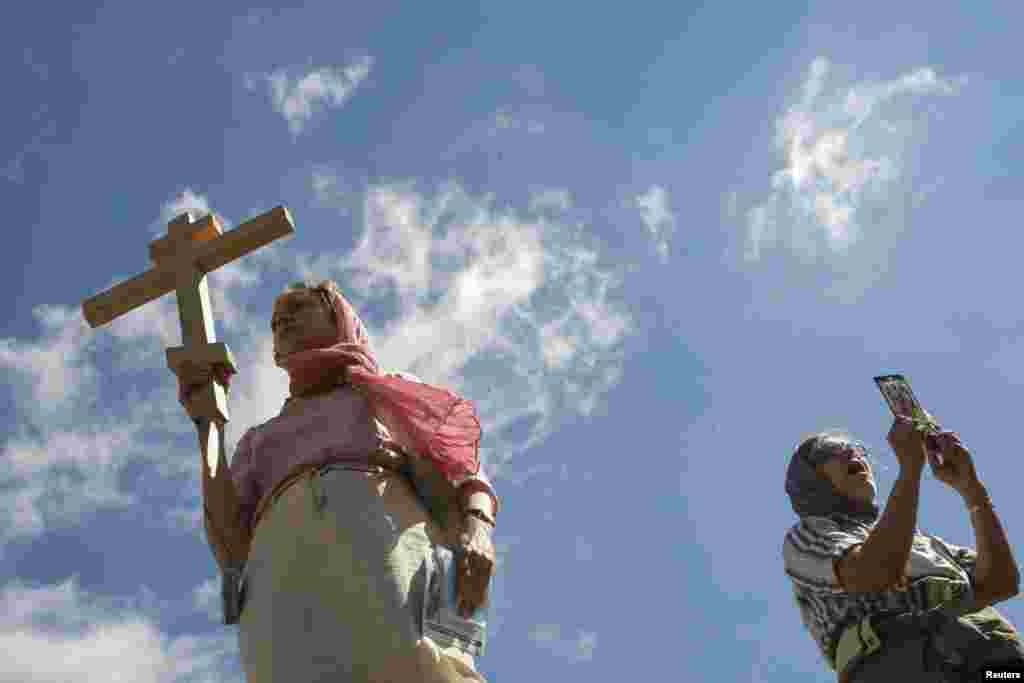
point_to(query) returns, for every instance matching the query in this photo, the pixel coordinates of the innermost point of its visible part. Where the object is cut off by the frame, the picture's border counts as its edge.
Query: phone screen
(902, 402)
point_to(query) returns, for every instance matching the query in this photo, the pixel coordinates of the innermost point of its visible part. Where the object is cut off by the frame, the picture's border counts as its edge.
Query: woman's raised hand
(476, 564)
(194, 376)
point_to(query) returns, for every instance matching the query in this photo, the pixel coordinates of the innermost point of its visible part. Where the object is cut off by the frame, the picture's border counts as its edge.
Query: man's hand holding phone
(957, 470)
(908, 443)
(901, 400)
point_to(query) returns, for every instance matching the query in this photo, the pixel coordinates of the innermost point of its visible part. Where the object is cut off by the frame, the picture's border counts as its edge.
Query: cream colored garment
(334, 587)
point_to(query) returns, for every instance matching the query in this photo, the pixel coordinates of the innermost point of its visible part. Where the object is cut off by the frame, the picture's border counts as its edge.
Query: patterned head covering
(812, 494)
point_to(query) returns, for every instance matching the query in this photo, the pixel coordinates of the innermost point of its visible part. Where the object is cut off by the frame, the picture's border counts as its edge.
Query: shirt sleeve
(246, 483)
(966, 558)
(810, 550)
(478, 481)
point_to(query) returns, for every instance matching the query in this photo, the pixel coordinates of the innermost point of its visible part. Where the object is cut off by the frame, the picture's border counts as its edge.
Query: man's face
(300, 322)
(849, 470)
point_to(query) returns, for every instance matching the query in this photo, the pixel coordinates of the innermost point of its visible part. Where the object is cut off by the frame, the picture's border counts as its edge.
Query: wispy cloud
(186, 200)
(206, 598)
(299, 98)
(334, 190)
(577, 649)
(550, 199)
(46, 481)
(843, 148)
(516, 309)
(55, 369)
(58, 633)
(69, 438)
(35, 147)
(658, 218)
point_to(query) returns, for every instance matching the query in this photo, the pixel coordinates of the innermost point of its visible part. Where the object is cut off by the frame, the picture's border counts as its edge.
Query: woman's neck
(297, 402)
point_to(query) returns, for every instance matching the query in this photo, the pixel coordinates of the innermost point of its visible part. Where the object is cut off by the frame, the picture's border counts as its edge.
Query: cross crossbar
(206, 254)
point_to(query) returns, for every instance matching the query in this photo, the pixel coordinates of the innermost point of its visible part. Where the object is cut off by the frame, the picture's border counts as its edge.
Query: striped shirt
(809, 551)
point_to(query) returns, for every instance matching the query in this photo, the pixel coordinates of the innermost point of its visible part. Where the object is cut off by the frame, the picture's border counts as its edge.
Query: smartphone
(902, 402)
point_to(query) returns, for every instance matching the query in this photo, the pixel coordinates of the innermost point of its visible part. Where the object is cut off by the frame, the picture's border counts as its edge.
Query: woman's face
(300, 321)
(849, 471)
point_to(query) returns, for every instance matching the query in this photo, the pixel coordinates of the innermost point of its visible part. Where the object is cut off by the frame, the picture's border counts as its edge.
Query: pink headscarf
(440, 425)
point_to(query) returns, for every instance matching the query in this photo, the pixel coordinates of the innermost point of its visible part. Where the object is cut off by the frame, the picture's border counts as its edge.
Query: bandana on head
(440, 425)
(814, 495)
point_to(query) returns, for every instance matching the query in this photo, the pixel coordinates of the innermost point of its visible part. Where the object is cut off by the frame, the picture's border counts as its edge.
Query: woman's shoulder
(249, 435)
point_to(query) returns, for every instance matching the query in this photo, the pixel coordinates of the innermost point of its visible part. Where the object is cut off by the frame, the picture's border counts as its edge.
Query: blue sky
(656, 244)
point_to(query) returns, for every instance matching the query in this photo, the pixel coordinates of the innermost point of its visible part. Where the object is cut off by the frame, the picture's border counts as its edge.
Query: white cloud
(844, 147)
(323, 184)
(578, 649)
(259, 390)
(65, 459)
(186, 200)
(206, 598)
(299, 99)
(550, 199)
(56, 633)
(516, 311)
(149, 329)
(657, 217)
(14, 169)
(338, 191)
(56, 369)
(73, 436)
(56, 477)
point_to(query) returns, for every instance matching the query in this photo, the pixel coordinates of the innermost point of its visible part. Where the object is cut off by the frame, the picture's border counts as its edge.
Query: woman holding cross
(319, 507)
(883, 601)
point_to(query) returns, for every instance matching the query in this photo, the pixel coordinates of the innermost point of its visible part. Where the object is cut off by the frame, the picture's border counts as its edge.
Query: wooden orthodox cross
(181, 259)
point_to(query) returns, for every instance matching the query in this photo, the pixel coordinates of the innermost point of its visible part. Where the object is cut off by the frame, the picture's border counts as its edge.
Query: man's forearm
(996, 573)
(888, 544)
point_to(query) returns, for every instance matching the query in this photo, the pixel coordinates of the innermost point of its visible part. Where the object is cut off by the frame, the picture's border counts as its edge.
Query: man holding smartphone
(881, 599)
